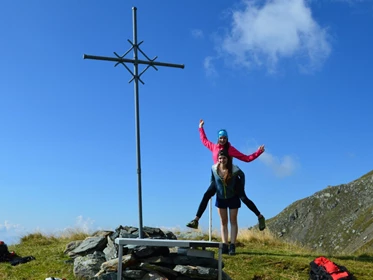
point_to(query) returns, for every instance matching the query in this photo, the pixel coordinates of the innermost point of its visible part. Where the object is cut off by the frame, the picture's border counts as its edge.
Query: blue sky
(293, 75)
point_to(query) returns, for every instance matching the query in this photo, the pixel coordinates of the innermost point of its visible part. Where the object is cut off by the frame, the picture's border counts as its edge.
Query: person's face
(223, 160)
(222, 140)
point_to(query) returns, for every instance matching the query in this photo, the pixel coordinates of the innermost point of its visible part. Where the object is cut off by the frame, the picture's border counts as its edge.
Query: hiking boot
(262, 223)
(192, 224)
(232, 250)
(225, 249)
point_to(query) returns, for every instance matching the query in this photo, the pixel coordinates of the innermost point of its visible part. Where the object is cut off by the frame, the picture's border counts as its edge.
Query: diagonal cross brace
(122, 60)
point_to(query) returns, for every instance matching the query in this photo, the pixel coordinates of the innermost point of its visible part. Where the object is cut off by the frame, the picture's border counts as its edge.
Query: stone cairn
(96, 258)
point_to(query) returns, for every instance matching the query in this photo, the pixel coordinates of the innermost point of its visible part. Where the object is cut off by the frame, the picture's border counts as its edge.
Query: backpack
(4, 253)
(324, 269)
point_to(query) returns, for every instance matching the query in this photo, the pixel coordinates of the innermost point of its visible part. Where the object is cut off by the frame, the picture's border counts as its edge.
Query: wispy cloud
(197, 33)
(11, 233)
(84, 224)
(210, 67)
(81, 224)
(262, 35)
(282, 167)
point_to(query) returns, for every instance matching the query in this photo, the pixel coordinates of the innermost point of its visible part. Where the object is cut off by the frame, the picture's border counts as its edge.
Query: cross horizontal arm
(138, 61)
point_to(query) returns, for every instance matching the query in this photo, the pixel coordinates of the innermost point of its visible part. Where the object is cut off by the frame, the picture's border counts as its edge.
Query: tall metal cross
(136, 77)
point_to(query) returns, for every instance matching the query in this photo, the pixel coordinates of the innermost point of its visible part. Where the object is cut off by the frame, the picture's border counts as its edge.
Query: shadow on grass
(361, 258)
(274, 254)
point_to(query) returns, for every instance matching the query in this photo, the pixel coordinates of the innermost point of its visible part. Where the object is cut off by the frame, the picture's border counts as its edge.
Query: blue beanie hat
(222, 132)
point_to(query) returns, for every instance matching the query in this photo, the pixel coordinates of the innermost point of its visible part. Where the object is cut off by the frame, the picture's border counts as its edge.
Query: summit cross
(136, 77)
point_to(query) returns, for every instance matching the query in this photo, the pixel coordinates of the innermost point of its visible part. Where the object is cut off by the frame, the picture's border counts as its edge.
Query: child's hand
(261, 148)
(201, 123)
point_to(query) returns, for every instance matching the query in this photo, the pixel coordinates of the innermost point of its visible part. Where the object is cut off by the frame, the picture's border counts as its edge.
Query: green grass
(260, 255)
(49, 257)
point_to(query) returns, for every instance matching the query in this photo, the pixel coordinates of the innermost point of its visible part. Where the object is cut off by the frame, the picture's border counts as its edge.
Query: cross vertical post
(137, 118)
(136, 77)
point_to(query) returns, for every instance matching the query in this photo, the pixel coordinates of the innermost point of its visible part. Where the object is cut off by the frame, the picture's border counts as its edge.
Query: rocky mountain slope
(338, 219)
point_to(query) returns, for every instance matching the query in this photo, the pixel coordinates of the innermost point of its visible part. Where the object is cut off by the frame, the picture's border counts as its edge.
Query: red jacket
(232, 151)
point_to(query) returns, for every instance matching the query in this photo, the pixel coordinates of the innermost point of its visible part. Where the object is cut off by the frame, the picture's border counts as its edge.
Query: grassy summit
(260, 255)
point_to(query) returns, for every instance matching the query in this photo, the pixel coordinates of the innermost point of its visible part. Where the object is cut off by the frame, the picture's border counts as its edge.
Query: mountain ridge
(337, 219)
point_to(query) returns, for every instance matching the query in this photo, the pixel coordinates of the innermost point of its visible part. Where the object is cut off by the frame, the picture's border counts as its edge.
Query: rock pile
(96, 258)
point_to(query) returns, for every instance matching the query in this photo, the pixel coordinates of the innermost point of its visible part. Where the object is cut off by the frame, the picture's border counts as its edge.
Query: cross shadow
(361, 258)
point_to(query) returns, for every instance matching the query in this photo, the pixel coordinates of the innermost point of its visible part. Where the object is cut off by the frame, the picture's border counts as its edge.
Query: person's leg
(211, 191)
(242, 195)
(240, 188)
(234, 224)
(203, 204)
(223, 213)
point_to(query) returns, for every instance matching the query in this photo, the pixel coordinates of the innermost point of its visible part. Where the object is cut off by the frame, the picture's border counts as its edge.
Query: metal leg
(210, 220)
(220, 265)
(119, 275)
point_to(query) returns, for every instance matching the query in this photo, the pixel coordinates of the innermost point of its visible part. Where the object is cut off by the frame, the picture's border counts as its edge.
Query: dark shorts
(231, 203)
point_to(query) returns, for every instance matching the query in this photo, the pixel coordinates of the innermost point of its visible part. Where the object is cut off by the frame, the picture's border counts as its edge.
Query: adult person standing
(224, 176)
(221, 144)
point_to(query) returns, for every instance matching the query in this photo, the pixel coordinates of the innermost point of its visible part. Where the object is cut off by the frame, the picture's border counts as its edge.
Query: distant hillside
(336, 219)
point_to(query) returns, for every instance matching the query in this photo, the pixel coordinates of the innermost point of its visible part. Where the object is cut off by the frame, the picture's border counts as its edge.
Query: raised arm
(208, 144)
(233, 152)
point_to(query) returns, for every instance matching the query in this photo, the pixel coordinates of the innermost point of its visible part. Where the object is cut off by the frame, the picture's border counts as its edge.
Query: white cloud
(209, 67)
(282, 167)
(263, 35)
(11, 233)
(84, 224)
(197, 33)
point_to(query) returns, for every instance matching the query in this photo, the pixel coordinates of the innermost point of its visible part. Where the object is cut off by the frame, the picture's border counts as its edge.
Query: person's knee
(224, 223)
(223, 220)
(245, 199)
(233, 220)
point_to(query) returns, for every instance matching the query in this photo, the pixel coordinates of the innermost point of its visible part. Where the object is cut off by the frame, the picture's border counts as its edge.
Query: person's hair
(228, 175)
(226, 145)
